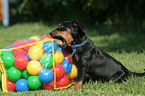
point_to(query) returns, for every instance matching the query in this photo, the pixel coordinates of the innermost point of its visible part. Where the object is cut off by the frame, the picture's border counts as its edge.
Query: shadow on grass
(118, 39)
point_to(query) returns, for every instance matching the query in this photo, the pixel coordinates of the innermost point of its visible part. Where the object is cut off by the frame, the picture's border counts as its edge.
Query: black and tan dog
(89, 59)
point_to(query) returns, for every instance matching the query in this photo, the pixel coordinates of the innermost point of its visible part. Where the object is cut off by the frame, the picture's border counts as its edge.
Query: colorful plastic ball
(47, 46)
(8, 48)
(14, 74)
(28, 42)
(73, 73)
(19, 50)
(46, 36)
(62, 82)
(34, 82)
(38, 36)
(34, 67)
(49, 37)
(59, 71)
(48, 86)
(35, 38)
(58, 57)
(45, 75)
(25, 73)
(21, 61)
(4, 52)
(28, 57)
(35, 52)
(26, 39)
(67, 56)
(67, 66)
(18, 42)
(8, 59)
(40, 43)
(47, 60)
(21, 85)
(60, 49)
(11, 85)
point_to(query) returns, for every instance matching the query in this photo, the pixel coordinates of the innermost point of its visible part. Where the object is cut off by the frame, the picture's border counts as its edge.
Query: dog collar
(76, 46)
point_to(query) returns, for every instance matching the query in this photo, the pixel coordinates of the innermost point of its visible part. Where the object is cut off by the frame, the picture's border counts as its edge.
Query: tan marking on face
(65, 34)
(59, 24)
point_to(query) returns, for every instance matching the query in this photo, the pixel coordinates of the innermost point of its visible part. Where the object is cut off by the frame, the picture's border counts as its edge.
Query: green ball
(14, 74)
(47, 60)
(34, 82)
(8, 59)
(25, 74)
(26, 38)
(5, 52)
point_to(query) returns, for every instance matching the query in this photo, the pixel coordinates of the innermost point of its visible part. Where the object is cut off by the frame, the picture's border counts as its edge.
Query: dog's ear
(79, 25)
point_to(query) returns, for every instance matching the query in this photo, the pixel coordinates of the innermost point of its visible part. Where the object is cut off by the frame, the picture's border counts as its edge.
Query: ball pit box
(39, 61)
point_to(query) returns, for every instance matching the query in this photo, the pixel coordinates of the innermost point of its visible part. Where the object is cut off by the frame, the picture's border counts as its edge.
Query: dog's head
(69, 32)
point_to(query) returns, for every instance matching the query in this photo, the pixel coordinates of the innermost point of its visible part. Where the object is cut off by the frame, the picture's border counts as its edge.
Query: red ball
(21, 61)
(67, 55)
(28, 42)
(18, 42)
(11, 85)
(48, 86)
(62, 82)
(46, 36)
(19, 50)
(59, 71)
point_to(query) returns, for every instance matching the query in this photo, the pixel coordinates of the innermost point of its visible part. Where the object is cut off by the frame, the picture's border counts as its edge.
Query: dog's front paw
(77, 85)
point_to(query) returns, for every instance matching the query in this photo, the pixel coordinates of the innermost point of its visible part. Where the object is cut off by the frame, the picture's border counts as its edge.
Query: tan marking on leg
(78, 85)
(110, 81)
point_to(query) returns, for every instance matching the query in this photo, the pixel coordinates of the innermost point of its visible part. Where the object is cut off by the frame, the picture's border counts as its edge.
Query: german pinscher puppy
(89, 59)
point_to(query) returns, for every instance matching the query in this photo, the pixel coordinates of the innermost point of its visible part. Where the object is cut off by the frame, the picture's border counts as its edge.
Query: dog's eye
(61, 28)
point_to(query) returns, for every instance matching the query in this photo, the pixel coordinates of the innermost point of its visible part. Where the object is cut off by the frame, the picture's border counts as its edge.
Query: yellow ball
(35, 38)
(58, 57)
(34, 67)
(73, 73)
(40, 43)
(35, 52)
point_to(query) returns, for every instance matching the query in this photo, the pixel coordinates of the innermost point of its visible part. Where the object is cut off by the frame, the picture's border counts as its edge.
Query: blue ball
(28, 57)
(21, 85)
(47, 46)
(45, 75)
(8, 48)
(60, 49)
(67, 66)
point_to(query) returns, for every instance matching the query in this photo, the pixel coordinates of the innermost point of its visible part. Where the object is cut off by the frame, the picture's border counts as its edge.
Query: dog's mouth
(64, 36)
(58, 39)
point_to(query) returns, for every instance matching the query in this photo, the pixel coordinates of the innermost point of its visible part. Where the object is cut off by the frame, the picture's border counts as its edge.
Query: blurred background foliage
(124, 13)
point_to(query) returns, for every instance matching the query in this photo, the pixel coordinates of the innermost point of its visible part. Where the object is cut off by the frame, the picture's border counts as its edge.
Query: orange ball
(73, 73)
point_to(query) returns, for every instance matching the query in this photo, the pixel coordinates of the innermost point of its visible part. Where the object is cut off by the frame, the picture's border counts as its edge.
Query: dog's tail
(137, 74)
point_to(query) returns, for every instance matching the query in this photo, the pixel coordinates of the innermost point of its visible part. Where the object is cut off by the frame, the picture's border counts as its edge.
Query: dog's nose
(50, 34)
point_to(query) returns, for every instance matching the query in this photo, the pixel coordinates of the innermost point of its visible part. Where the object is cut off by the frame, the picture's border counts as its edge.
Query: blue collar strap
(75, 46)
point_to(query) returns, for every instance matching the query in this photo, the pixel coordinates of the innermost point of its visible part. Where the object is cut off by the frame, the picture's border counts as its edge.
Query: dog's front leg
(80, 78)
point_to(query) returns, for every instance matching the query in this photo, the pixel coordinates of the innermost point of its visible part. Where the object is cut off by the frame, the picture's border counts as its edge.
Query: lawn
(126, 46)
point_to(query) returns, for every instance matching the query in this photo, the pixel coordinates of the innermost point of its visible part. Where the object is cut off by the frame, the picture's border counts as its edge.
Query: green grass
(127, 47)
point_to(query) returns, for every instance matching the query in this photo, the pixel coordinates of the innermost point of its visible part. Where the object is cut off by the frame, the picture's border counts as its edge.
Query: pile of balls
(31, 67)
